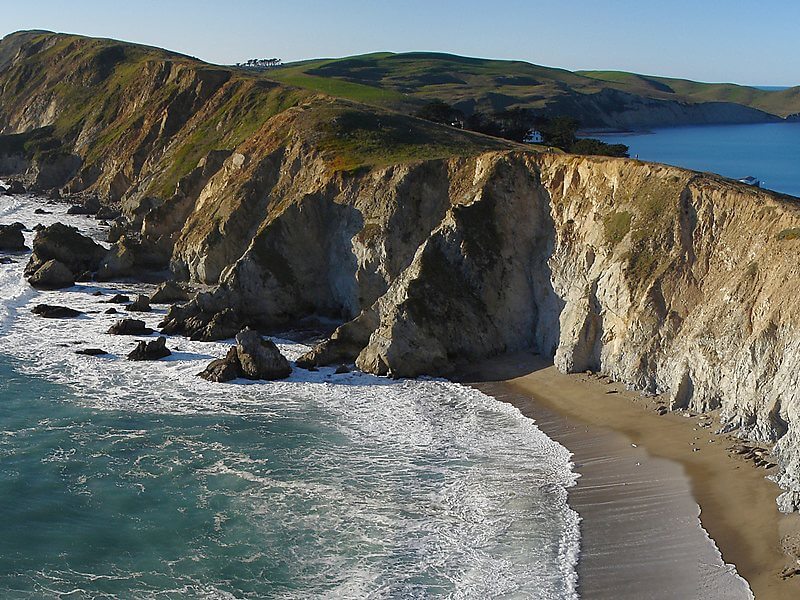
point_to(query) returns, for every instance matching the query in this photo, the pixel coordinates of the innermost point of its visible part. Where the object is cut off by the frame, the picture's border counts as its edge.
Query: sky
(746, 42)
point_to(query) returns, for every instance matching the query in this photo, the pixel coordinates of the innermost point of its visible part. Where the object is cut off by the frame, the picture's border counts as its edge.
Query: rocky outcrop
(259, 358)
(119, 261)
(141, 304)
(130, 327)
(253, 357)
(169, 292)
(225, 369)
(55, 312)
(52, 275)
(65, 244)
(11, 237)
(154, 350)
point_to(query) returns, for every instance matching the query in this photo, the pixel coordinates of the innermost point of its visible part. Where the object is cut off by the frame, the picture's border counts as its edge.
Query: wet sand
(642, 478)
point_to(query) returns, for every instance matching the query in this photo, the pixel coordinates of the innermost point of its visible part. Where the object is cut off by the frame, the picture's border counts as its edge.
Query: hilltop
(598, 99)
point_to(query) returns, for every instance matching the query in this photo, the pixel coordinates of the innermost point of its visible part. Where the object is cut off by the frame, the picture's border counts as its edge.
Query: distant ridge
(597, 98)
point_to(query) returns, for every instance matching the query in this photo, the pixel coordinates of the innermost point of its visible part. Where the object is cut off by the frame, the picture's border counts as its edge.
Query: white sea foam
(439, 490)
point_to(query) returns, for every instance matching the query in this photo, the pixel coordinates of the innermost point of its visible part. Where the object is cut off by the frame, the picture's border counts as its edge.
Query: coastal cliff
(431, 246)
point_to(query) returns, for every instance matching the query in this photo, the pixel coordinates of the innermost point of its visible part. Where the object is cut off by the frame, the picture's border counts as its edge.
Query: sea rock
(342, 369)
(117, 299)
(15, 187)
(41, 211)
(141, 304)
(169, 292)
(111, 311)
(11, 237)
(260, 358)
(4, 260)
(223, 325)
(119, 261)
(129, 327)
(67, 245)
(107, 213)
(150, 350)
(89, 206)
(49, 311)
(223, 369)
(52, 275)
(91, 352)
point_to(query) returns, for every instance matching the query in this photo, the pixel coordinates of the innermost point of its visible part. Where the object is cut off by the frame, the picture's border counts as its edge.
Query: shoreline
(643, 476)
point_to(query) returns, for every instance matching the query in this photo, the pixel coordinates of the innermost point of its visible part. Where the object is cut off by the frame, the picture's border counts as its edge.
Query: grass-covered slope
(410, 79)
(141, 118)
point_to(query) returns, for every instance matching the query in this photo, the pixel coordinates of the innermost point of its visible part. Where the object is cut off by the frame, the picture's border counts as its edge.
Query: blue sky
(708, 40)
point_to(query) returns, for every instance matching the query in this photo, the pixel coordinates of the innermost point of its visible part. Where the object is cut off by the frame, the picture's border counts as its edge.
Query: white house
(750, 181)
(534, 136)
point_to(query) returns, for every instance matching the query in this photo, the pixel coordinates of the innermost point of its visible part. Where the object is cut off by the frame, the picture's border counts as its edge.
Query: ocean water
(769, 152)
(140, 480)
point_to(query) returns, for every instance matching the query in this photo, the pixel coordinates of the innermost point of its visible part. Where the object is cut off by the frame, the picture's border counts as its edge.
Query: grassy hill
(408, 80)
(136, 113)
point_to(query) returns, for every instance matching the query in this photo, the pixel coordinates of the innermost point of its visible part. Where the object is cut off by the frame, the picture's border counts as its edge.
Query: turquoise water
(108, 503)
(770, 152)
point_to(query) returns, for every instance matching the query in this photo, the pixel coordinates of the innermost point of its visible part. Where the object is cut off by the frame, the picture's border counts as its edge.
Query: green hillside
(407, 80)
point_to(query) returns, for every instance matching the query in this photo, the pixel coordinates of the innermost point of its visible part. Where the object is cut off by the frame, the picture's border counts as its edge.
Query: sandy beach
(643, 476)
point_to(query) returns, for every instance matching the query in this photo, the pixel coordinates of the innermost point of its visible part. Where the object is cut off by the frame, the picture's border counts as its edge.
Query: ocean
(141, 480)
(769, 152)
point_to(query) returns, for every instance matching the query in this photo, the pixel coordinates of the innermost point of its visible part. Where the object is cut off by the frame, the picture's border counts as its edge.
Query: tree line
(516, 123)
(260, 64)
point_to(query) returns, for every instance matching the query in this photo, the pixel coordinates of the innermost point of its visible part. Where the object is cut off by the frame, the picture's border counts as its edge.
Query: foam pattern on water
(320, 485)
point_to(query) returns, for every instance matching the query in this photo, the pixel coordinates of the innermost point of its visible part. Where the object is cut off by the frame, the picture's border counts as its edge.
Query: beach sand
(642, 478)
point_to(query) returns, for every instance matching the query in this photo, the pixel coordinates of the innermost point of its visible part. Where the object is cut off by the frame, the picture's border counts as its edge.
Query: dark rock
(106, 213)
(54, 194)
(343, 345)
(49, 311)
(111, 311)
(67, 245)
(97, 293)
(141, 304)
(342, 369)
(52, 275)
(41, 211)
(15, 187)
(11, 237)
(169, 292)
(89, 206)
(150, 350)
(260, 358)
(38, 227)
(4, 260)
(117, 299)
(3, 190)
(223, 369)
(223, 325)
(129, 327)
(91, 352)
(84, 276)
(115, 232)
